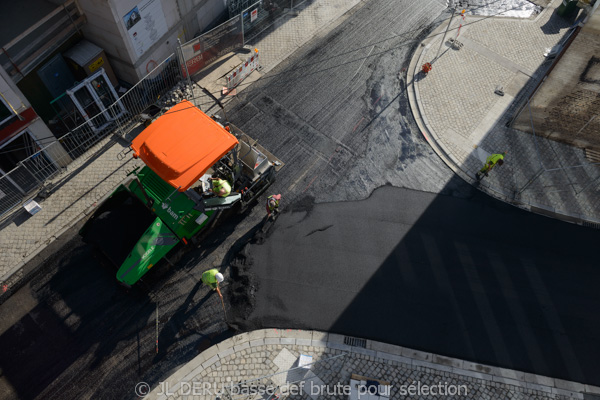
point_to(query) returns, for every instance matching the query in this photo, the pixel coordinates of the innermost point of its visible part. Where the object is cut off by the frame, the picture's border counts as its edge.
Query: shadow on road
(474, 278)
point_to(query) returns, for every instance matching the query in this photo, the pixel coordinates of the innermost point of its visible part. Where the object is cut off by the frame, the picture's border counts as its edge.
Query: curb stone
(433, 139)
(388, 352)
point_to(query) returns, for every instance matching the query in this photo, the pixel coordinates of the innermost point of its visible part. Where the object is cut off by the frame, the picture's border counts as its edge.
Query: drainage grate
(350, 341)
(593, 225)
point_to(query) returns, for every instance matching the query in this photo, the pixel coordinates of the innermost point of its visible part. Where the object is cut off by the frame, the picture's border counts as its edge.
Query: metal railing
(32, 173)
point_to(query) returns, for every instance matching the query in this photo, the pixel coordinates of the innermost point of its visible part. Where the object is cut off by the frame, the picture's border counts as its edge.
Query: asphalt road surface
(469, 278)
(336, 112)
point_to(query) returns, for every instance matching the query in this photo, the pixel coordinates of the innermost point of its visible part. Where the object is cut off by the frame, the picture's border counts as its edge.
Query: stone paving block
(285, 360)
(320, 336)
(384, 347)
(592, 389)
(567, 394)
(364, 352)
(416, 355)
(303, 342)
(508, 381)
(241, 338)
(298, 334)
(225, 344)
(510, 374)
(338, 346)
(336, 338)
(448, 361)
(569, 385)
(538, 379)
(210, 361)
(540, 388)
(427, 364)
(312, 383)
(257, 334)
(393, 357)
(242, 346)
(472, 374)
(227, 352)
(273, 333)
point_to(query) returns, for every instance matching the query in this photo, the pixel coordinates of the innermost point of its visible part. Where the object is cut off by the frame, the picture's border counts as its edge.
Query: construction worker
(221, 187)
(490, 163)
(212, 278)
(273, 204)
(425, 68)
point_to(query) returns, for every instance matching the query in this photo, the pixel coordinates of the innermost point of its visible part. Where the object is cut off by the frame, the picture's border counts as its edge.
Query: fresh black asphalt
(469, 278)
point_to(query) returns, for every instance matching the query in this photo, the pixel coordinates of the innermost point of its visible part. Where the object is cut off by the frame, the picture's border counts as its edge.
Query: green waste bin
(567, 8)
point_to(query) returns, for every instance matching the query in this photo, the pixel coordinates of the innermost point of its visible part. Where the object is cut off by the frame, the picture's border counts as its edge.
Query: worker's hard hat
(219, 277)
(277, 197)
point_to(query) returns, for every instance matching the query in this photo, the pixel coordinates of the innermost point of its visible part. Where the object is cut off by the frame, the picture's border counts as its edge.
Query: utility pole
(448, 27)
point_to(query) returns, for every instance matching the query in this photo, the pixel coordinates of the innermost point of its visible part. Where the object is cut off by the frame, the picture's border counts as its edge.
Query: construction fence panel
(11, 194)
(120, 117)
(208, 47)
(261, 15)
(150, 90)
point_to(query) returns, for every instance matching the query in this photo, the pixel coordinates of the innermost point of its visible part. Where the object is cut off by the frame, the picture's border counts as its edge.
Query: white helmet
(219, 277)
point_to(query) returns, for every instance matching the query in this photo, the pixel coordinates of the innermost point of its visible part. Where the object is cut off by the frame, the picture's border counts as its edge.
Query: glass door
(93, 97)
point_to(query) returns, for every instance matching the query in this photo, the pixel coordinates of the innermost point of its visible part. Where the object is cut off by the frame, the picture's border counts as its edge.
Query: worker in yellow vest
(273, 204)
(220, 187)
(490, 163)
(212, 278)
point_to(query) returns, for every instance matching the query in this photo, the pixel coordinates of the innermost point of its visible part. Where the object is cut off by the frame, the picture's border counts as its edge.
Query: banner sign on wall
(145, 24)
(207, 48)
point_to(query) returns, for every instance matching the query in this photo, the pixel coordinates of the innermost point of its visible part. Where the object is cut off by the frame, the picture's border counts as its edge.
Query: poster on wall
(145, 24)
(207, 48)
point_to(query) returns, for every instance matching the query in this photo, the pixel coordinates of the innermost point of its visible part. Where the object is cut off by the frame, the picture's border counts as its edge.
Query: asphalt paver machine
(165, 204)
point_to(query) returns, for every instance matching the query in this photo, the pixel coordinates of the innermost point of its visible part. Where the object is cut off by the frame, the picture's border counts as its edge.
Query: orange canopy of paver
(182, 144)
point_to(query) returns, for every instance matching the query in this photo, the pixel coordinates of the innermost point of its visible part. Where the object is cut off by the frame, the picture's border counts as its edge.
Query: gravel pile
(180, 91)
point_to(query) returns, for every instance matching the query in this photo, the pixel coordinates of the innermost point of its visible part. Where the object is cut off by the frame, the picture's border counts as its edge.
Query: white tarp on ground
(499, 8)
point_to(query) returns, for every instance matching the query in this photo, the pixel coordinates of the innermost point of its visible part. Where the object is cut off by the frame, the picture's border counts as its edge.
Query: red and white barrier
(462, 21)
(241, 72)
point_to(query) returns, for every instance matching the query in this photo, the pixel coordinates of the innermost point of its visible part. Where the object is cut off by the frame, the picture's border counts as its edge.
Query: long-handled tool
(157, 327)
(222, 302)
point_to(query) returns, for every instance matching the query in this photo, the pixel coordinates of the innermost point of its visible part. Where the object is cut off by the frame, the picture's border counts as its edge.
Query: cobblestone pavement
(22, 237)
(268, 359)
(75, 196)
(465, 121)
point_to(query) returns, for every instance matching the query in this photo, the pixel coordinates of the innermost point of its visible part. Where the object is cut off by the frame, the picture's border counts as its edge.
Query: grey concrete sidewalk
(22, 237)
(269, 358)
(465, 121)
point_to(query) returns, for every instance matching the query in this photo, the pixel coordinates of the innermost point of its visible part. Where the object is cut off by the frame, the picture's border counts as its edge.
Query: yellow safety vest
(221, 184)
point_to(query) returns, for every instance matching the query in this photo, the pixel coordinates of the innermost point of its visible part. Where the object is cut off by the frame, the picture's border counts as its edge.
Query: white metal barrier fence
(32, 173)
